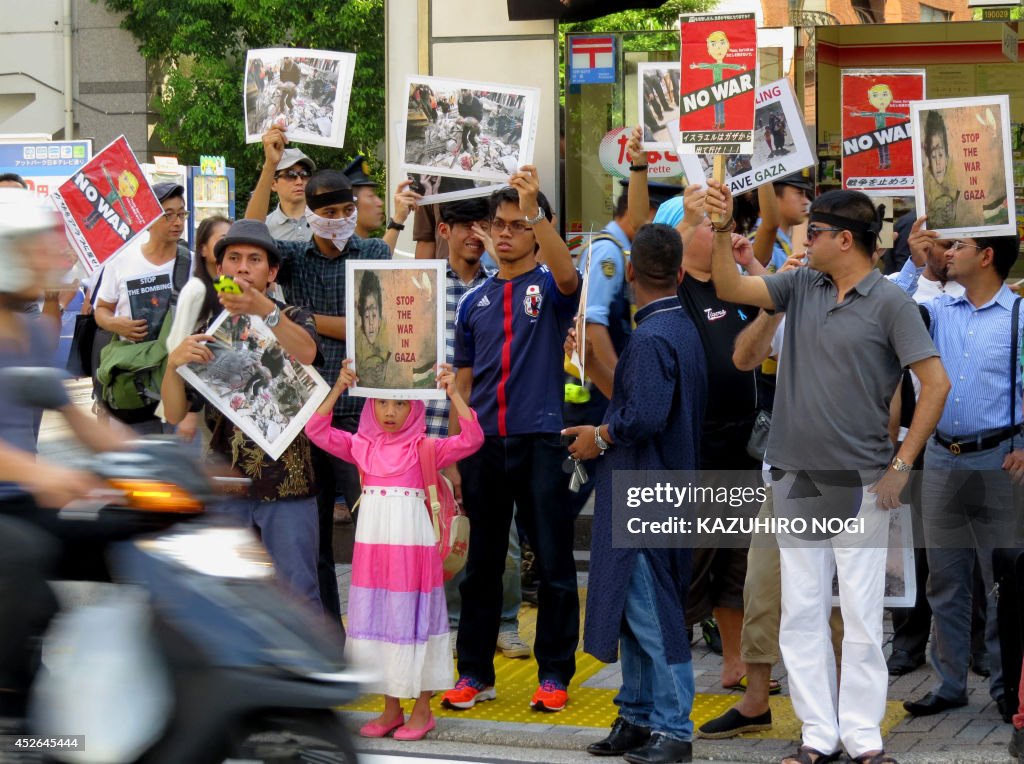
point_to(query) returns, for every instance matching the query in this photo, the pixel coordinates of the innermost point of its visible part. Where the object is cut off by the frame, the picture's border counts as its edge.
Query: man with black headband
(849, 333)
(313, 276)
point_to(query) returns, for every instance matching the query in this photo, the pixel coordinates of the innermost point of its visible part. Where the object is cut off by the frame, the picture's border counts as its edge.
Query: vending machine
(211, 191)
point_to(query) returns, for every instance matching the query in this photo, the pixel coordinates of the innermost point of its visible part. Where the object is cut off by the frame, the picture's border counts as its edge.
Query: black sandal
(805, 752)
(875, 758)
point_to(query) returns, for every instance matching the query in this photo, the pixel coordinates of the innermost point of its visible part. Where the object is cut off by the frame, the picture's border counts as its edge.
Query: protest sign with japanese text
(963, 168)
(106, 204)
(395, 323)
(780, 143)
(718, 62)
(876, 129)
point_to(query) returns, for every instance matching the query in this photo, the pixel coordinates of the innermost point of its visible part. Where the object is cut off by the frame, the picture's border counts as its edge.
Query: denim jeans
(968, 510)
(511, 589)
(288, 529)
(524, 471)
(654, 693)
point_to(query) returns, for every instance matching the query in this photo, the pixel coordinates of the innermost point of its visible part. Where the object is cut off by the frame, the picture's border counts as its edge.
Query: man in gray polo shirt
(849, 333)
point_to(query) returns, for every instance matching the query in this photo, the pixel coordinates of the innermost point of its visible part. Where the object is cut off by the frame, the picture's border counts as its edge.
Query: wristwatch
(601, 443)
(534, 220)
(273, 318)
(901, 466)
(393, 225)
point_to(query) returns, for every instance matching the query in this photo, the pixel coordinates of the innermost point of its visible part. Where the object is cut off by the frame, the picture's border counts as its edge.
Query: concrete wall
(109, 75)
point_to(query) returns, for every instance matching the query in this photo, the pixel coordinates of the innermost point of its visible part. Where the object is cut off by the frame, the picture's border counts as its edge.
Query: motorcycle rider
(31, 240)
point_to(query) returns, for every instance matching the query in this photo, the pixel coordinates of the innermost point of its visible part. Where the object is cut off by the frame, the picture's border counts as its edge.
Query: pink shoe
(376, 729)
(407, 733)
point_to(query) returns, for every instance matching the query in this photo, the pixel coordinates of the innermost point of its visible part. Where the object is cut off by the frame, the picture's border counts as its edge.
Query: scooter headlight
(221, 552)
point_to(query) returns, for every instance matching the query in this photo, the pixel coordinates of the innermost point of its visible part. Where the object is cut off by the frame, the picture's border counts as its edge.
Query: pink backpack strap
(428, 466)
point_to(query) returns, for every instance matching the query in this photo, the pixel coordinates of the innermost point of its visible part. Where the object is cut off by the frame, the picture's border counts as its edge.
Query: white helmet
(22, 214)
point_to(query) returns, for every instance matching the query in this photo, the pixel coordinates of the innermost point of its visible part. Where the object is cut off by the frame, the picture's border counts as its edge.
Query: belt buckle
(954, 448)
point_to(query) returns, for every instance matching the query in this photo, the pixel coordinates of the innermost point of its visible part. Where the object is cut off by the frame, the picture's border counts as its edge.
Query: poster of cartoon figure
(876, 153)
(718, 63)
(395, 327)
(963, 166)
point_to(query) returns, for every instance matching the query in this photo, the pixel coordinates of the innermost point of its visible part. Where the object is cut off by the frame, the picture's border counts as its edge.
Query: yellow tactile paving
(591, 707)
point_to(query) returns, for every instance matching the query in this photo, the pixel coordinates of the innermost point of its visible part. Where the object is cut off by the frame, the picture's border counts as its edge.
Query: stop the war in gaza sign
(395, 320)
(877, 156)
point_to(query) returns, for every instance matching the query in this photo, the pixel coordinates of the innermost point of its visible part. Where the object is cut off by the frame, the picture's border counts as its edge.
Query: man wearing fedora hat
(280, 500)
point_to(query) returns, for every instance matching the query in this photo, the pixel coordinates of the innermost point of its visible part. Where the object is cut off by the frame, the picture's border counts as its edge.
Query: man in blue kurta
(653, 423)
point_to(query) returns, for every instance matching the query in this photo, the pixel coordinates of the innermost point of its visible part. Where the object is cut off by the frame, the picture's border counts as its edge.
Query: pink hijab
(384, 453)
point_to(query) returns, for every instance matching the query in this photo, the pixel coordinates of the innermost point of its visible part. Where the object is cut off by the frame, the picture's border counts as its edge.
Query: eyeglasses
(814, 230)
(170, 216)
(956, 246)
(292, 175)
(516, 226)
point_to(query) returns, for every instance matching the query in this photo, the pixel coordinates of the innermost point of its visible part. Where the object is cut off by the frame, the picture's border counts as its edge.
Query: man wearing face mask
(312, 275)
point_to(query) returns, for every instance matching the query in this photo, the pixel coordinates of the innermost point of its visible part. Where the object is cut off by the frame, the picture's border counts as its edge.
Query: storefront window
(598, 119)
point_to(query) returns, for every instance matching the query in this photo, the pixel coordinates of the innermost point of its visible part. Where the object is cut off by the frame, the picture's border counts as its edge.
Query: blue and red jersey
(511, 333)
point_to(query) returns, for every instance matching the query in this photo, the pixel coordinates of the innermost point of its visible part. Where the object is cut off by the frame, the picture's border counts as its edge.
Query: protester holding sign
(280, 501)
(134, 300)
(397, 620)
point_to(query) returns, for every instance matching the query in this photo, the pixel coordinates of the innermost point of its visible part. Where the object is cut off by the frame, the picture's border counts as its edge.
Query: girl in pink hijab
(397, 615)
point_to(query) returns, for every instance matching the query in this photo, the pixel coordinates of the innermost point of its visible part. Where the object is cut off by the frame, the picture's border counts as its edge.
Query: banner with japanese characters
(718, 72)
(106, 204)
(963, 166)
(876, 154)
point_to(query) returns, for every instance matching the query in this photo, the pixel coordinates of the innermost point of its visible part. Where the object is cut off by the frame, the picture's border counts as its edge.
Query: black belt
(966, 444)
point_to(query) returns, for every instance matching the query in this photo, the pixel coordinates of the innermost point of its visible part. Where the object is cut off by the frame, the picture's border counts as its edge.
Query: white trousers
(852, 713)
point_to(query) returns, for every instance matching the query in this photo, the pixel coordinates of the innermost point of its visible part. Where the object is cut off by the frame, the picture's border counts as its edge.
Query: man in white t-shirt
(135, 290)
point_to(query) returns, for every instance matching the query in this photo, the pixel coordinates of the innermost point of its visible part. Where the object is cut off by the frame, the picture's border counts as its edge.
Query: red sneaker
(550, 696)
(467, 693)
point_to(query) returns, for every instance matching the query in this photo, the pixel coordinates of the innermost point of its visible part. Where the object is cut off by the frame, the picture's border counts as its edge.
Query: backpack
(131, 373)
(451, 526)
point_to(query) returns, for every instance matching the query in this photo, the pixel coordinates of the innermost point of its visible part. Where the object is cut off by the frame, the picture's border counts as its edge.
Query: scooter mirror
(34, 386)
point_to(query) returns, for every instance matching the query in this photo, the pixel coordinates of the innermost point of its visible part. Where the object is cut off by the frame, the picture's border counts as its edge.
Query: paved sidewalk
(973, 734)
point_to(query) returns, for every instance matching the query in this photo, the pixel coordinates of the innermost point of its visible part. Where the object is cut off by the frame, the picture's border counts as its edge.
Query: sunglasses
(814, 230)
(293, 175)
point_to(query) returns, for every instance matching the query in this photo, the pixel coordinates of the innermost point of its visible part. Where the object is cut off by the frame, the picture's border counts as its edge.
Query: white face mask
(337, 230)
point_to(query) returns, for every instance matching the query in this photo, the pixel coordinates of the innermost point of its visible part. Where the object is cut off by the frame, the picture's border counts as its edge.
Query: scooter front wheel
(297, 739)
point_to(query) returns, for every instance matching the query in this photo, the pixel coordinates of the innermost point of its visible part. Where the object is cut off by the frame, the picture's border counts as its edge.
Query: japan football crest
(531, 303)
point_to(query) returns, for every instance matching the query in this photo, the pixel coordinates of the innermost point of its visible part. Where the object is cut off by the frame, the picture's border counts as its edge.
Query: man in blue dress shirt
(967, 496)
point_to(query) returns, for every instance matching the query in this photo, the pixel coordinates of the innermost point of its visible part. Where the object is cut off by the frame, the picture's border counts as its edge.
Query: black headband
(858, 226)
(341, 196)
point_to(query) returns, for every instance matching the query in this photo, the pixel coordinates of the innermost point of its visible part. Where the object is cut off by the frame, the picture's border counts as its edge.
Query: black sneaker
(712, 636)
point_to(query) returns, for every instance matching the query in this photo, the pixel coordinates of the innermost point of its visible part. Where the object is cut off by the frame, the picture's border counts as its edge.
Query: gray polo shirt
(839, 369)
(288, 229)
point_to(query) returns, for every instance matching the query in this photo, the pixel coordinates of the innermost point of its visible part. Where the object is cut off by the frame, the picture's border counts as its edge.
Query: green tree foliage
(196, 50)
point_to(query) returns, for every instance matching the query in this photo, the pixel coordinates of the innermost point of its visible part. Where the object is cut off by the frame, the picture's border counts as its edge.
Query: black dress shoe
(1006, 710)
(981, 665)
(932, 704)
(623, 738)
(661, 749)
(733, 723)
(901, 662)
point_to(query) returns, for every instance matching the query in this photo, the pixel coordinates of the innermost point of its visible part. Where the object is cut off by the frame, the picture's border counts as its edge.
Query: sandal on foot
(874, 758)
(805, 752)
(774, 687)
